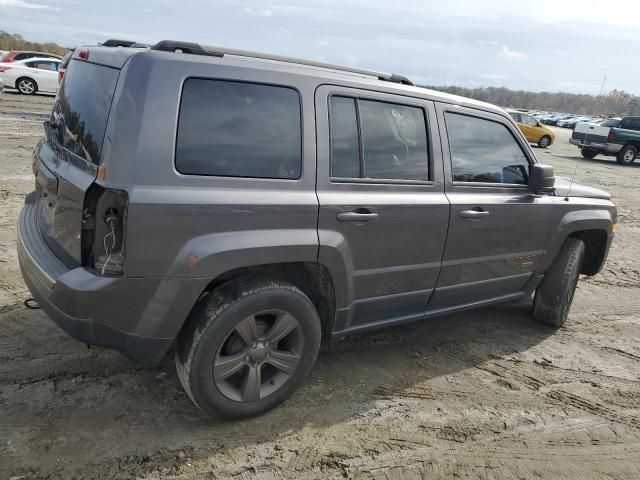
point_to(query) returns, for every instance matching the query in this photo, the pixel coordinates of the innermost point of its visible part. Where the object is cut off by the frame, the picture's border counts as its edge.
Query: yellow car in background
(532, 129)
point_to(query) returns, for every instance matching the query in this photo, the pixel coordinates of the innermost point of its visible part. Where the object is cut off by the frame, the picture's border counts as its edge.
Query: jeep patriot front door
(383, 213)
(497, 228)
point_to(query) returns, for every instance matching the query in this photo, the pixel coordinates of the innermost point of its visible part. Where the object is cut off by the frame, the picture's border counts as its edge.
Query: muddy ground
(484, 394)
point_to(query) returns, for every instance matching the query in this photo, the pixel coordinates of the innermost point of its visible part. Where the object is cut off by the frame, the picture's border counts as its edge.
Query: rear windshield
(82, 108)
(612, 122)
(630, 123)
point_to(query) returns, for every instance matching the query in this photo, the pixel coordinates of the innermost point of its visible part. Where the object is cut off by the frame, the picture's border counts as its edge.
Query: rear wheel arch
(313, 279)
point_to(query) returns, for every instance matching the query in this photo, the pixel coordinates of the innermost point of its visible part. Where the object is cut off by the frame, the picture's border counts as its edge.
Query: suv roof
(186, 51)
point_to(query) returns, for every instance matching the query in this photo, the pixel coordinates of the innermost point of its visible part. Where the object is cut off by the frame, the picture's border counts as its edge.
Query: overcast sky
(553, 45)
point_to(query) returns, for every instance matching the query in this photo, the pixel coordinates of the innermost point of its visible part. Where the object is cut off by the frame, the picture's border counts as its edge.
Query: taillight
(60, 75)
(82, 54)
(4, 69)
(103, 229)
(612, 136)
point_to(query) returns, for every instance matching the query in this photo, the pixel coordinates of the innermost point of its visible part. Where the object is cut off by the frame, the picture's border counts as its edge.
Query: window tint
(82, 108)
(515, 116)
(345, 150)
(630, 123)
(484, 151)
(612, 122)
(42, 65)
(239, 130)
(394, 140)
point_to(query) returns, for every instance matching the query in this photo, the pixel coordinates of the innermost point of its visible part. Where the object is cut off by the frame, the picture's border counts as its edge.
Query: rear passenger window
(630, 123)
(484, 151)
(237, 129)
(378, 140)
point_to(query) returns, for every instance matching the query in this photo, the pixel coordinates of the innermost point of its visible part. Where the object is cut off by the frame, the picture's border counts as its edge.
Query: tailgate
(589, 133)
(66, 160)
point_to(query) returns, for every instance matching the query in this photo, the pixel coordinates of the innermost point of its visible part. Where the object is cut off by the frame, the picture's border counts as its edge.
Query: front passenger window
(484, 151)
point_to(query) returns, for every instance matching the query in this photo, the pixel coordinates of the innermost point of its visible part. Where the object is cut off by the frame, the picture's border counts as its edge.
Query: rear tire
(247, 347)
(589, 153)
(26, 86)
(553, 297)
(627, 155)
(545, 141)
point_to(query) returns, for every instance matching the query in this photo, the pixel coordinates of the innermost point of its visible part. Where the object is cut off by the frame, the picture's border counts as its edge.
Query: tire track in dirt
(536, 385)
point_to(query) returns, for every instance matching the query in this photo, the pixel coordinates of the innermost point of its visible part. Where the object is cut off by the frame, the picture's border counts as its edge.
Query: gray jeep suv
(242, 208)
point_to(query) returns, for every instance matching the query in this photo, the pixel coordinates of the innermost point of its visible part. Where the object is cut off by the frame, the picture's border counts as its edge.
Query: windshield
(82, 108)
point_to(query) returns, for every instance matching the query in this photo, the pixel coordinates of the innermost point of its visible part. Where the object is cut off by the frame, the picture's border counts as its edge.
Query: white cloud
(23, 4)
(493, 76)
(509, 54)
(259, 13)
(493, 43)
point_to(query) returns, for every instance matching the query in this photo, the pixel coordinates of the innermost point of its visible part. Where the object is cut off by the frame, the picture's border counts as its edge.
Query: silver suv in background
(244, 207)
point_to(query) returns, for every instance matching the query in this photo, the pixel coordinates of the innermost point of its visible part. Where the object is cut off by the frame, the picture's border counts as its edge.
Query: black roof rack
(113, 42)
(196, 49)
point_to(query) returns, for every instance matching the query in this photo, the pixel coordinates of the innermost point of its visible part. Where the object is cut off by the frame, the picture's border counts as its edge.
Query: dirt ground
(485, 394)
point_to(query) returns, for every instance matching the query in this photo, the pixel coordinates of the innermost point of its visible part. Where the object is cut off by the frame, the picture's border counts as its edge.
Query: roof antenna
(586, 136)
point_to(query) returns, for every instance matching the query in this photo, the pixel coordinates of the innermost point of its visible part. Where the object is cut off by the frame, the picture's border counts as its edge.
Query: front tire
(589, 153)
(627, 155)
(554, 296)
(247, 347)
(544, 142)
(27, 86)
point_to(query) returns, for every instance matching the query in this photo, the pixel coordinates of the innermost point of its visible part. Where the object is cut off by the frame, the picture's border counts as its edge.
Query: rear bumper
(610, 148)
(139, 317)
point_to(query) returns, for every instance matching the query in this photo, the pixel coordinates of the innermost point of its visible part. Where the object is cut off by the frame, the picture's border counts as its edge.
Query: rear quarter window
(238, 129)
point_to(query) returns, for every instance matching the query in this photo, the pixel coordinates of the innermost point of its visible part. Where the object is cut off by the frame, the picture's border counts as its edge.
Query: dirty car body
(129, 228)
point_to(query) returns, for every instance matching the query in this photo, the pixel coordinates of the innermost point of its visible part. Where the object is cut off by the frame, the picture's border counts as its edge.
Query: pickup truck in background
(612, 138)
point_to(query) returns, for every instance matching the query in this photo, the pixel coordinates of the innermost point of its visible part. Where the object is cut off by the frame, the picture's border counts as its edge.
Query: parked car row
(560, 119)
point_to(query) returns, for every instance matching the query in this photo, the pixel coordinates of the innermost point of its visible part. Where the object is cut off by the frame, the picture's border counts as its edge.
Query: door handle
(473, 214)
(360, 215)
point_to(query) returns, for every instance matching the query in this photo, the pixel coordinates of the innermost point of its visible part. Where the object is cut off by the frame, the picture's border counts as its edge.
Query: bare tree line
(615, 102)
(14, 41)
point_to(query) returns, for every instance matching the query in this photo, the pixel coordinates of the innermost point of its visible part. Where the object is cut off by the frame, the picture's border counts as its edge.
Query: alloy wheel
(258, 356)
(26, 87)
(629, 156)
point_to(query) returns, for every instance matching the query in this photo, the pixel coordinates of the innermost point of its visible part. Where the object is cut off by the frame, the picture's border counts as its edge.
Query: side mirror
(541, 178)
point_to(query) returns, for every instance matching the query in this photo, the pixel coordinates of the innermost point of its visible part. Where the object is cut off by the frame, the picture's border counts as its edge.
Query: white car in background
(31, 75)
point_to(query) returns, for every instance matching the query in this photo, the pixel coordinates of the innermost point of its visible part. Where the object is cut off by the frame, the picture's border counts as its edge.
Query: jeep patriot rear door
(383, 213)
(497, 229)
